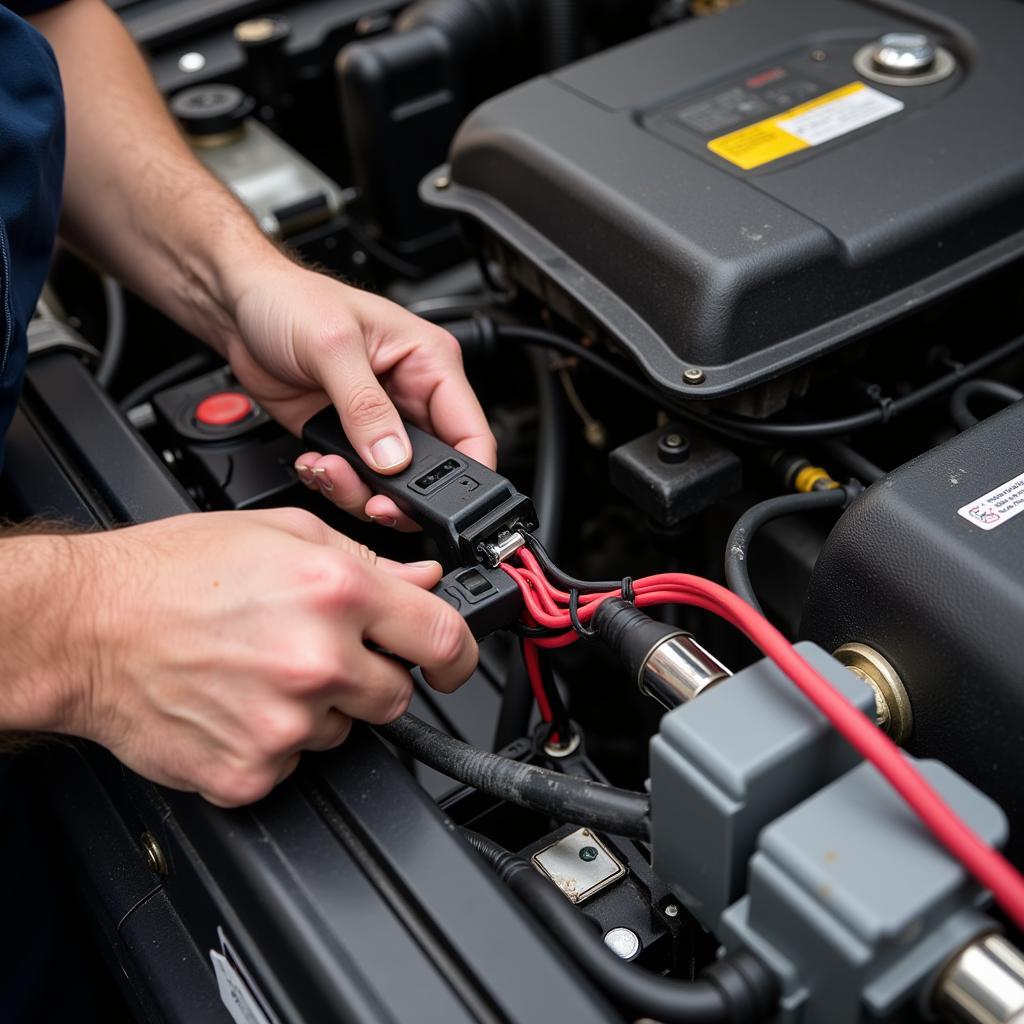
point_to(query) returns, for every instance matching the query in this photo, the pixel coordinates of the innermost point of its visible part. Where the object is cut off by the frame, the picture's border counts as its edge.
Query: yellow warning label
(810, 124)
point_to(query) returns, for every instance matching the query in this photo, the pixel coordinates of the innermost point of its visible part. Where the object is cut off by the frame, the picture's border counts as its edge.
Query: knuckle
(283, 731)
(298, 521)
(367, 405)
(386, 704)
(238, 787)
(447, 635)
(308, 669)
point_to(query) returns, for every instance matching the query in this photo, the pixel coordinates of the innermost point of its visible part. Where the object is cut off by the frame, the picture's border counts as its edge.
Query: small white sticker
(234, 993)
(996, 507)
(845, 114)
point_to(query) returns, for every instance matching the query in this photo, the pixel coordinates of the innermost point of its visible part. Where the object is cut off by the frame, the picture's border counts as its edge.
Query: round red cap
(223, 409)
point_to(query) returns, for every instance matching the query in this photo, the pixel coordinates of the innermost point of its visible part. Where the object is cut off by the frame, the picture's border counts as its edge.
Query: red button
(223, 409)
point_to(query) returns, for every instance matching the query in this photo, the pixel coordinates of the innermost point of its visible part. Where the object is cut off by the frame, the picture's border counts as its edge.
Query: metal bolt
(819, 55)
(155, 858)
(673, 447)
(693, 376)
(893, 713)
(904, 53)
(671, 910)
(564, 747)
(588, 853)
(623, 942)
(191, 62)
(442, 181)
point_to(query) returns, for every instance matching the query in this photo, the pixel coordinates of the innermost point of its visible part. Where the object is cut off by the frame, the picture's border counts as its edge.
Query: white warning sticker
(846, 113)
(234, 993)
(998, 506)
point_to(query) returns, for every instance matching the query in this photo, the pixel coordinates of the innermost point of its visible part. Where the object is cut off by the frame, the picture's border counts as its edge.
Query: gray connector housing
(730, 762)
(854, 904)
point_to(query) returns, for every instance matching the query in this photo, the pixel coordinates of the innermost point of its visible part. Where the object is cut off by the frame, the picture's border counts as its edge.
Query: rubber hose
(959, 401)
(113, 344)
(737, 550)
(563, 797)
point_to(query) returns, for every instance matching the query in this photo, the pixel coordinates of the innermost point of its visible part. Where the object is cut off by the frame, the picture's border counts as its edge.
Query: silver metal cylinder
(678, 669)
(984, 984)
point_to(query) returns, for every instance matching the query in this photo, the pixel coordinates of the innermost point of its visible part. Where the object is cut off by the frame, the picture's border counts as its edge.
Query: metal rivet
(588, 853)
(671, 910)
(623, 942)
(819, 55)
(442, 181)
(155, 858)
(191, 62)
(693, 376)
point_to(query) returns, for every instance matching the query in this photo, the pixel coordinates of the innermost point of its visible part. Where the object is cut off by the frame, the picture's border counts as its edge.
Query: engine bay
(738, 285)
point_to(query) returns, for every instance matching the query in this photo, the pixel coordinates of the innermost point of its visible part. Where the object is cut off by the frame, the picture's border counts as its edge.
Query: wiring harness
(558, 608)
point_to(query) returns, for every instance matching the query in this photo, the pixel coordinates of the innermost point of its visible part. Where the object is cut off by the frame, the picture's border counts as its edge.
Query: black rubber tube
(736, 990)
(172, 375)
(549, 472)
(960, 400)
(737, 550)
(563, 797)
(561, 32)
(852, 461)
(745, 429)
(516, 702)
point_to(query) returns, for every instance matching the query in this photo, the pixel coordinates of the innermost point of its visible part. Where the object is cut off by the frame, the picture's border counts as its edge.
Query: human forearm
(45, 676)
(136, 200)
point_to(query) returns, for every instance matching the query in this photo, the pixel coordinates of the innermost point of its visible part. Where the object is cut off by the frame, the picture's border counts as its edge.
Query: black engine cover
(930, 574)
(603, 188)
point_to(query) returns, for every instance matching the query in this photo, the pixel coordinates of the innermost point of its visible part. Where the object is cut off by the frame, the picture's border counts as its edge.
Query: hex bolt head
(693, 376)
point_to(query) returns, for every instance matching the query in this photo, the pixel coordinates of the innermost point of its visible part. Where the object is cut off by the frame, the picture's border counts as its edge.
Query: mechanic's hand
(306, 339)
(221, 644)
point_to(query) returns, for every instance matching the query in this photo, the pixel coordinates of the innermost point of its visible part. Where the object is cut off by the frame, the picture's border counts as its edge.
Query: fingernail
(388, 451)
(322, 478)
(303, 472)
(384, 520)
(430, 563)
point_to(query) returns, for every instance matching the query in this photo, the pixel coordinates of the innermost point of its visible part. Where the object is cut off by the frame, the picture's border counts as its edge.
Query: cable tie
(574, 615)
(628, 593)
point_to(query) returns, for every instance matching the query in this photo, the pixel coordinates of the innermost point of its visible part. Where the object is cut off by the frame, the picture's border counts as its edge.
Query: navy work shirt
(31, 173)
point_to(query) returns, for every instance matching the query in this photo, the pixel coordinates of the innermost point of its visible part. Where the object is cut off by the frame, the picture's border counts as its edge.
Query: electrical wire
(987, 865)
(563, 797)
(959, 402)
(172, 375)
(737, 548)
(746, 429)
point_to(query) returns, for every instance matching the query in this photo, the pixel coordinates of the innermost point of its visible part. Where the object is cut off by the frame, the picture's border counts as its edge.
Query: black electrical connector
(487, 598)
(470, 511)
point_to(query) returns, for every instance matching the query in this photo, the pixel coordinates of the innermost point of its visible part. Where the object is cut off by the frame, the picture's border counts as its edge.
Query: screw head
(623, 942)
(818, 55)
(904, 53)
(442, 181)
(191, 62)
(155, 859)
(671, 910)
(588, 853)
(693, 376)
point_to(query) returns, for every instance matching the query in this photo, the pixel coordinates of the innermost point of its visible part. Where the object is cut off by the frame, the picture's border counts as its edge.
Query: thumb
(371, 421)
(420, 574)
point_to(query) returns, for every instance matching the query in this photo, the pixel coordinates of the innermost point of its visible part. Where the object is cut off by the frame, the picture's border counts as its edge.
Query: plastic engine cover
(731, 194)
(927, 567)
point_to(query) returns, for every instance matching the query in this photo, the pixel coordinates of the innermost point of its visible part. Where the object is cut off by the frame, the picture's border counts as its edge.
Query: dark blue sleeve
(31, 6)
